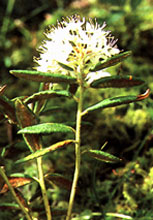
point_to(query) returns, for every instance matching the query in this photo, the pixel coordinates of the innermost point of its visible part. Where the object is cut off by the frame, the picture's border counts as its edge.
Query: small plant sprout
(77, 51)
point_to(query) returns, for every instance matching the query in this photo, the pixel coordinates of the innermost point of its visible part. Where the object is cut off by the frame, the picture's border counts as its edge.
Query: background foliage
(123, 188)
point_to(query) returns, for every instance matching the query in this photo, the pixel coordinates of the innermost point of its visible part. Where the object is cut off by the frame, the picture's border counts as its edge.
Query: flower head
(77, 43)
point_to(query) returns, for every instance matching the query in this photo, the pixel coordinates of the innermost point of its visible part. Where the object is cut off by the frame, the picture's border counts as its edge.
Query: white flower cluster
(77, 43)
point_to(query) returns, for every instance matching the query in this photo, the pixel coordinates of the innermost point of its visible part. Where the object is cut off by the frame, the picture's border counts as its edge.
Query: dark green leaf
(47, 94)
(45, 151)
(42, 77)
(65, 66)
(111, 61)
(111, 102)
(103, 156)
(116, 82)
(46, 128)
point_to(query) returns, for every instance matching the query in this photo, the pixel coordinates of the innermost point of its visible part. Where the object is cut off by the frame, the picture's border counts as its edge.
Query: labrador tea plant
(77, 52)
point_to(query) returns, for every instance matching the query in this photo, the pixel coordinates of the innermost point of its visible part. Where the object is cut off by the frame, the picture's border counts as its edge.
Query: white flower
(79, 44)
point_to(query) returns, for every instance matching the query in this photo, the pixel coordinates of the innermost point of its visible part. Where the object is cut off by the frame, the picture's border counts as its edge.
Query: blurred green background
(125, 188)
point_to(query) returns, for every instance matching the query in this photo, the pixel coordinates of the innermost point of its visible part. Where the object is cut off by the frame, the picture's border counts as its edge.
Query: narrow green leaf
(45, 151)
(111, 102)
(47, 94)
(46, 128)
(117, 82)
(9, 206)
(8, 110)
(121, 216)
(26, 118)
(42, 77)
(103, 156)
(111, 61)
(65, 66)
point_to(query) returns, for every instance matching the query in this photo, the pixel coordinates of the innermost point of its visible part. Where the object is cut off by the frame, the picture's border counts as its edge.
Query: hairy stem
(77, 154)
(43, 188)
(24, 210)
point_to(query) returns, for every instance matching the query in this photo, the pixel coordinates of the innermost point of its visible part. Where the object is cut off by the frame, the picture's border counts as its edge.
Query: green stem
(77, 154)
(43, 188)
(24, 210)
